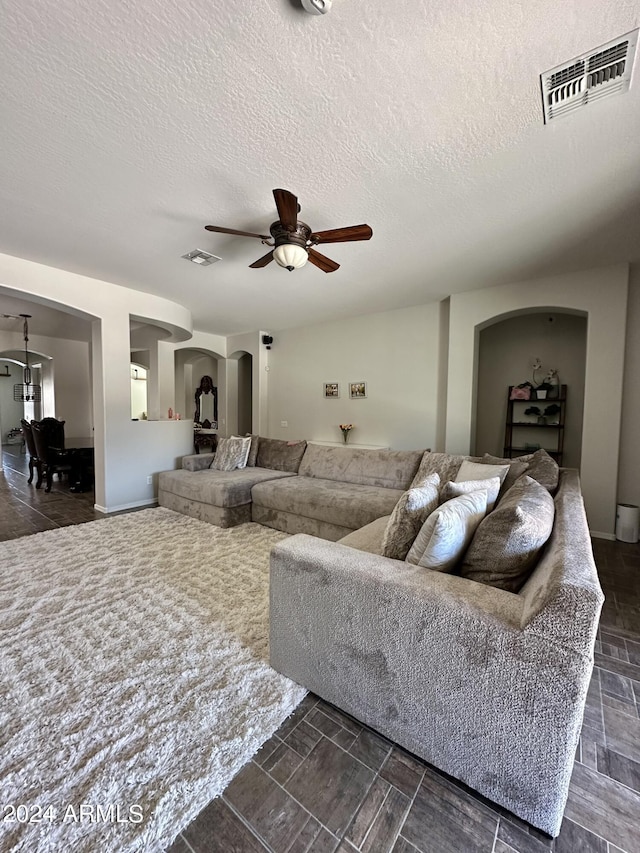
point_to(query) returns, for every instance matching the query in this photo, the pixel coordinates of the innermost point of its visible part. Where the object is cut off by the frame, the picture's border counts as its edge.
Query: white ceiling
(127, 127)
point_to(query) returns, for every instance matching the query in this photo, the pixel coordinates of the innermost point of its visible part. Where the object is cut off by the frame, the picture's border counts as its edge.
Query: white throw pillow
(246, 445)
(480, 471)
(447, 532)
(454, 490)
(230, 452)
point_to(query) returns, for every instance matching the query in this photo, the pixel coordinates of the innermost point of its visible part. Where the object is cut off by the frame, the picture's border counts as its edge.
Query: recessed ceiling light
(198, 256)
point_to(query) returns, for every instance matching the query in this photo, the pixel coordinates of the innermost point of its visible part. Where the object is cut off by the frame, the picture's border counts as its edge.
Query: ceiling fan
(293, 240)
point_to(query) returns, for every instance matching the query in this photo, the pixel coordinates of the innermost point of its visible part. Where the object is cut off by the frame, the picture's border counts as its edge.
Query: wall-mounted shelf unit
(526, 433)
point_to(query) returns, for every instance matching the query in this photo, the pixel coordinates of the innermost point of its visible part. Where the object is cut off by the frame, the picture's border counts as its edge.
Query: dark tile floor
(326, 784)
(25, 509)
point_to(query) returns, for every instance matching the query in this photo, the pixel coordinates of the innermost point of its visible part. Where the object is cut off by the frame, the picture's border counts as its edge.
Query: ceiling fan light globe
(316, 7)
(290, 256)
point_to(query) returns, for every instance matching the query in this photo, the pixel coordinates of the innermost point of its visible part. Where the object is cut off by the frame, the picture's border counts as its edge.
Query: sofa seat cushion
(391, 469)
(220, 488)
(368, 538)
(346, 504)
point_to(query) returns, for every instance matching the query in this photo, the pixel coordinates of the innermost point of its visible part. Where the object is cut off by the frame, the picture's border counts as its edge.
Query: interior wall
(602, 295)
(126, 452)
(65, 379)
(505, 356)
(629, 474)
(245, 389)
(11, 411)
(394, 352)
(72, 383)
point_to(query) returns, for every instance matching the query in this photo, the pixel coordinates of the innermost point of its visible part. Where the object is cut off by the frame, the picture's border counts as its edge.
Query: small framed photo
(357, 390)
(331, 390)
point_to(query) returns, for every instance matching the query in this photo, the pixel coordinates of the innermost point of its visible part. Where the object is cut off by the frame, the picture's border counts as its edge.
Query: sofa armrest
(436, 663)
(197, 461)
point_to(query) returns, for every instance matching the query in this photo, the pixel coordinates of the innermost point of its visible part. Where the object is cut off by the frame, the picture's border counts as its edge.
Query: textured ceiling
(127, 127)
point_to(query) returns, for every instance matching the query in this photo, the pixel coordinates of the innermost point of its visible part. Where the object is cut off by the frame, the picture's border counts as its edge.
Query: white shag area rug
(134, 681)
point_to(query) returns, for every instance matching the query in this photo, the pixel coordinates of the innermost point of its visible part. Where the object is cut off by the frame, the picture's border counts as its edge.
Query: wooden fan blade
(263, 261)
(322, 262)
(220, 230)
(343, 235)
(287, 205)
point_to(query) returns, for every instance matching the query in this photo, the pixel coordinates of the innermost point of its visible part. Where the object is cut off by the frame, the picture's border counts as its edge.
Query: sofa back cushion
(507, 543)
(253, 450)
(391, 469)
(446, 465)
(280, 455)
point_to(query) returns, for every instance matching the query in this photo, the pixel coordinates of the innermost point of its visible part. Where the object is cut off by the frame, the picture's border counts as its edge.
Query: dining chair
(48, 436)
(34, 462)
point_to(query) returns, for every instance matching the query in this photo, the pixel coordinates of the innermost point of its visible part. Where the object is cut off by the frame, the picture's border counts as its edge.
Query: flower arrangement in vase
(345, 429)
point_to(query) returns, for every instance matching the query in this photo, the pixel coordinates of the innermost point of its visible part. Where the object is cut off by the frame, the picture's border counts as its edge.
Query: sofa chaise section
(487, 685)
(222, 498)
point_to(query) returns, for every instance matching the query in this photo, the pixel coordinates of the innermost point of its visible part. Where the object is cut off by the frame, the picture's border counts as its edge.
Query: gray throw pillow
(543, 468)
(506, 545)
(231, 453)
(408, 516)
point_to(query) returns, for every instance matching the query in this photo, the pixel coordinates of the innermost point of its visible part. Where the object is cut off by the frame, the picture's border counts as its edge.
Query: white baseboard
(134, 505)
(598, 535)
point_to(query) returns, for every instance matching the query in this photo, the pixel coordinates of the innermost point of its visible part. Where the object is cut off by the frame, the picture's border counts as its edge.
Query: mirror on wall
(139, 397)
(206, 413)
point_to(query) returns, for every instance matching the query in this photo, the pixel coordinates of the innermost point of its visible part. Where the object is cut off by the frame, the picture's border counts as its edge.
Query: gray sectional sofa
(485, 684)
(294, 486)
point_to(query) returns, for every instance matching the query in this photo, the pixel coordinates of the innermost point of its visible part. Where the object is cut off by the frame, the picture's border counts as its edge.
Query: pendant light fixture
(26, 391)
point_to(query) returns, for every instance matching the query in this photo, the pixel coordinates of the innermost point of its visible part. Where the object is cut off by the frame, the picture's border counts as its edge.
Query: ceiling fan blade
(322, 262)
(220, 230)
(263, 261)
(287, 205)
(343, 235)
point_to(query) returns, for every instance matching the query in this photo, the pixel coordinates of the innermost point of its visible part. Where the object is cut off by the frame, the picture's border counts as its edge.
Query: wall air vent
(598, 74)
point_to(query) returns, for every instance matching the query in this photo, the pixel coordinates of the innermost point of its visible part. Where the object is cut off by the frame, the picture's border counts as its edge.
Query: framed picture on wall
(331, 390)
(357, 390)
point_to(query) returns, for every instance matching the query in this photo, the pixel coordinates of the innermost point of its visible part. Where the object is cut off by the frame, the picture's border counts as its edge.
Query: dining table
(80, 452)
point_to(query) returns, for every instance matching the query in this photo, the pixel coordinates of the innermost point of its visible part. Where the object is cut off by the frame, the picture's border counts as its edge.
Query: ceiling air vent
(598, 74)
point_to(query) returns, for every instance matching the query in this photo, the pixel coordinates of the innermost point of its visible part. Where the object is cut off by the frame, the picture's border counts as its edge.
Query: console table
(351, 444)
(205, 438)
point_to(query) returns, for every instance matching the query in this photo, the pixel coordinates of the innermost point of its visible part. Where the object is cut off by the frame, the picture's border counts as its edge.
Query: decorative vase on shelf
(345, 429)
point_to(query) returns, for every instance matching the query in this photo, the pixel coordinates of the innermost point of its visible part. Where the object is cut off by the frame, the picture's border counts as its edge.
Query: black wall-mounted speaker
(267, 340)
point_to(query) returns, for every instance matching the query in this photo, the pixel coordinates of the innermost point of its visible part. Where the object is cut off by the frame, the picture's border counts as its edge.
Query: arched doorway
(507, 347)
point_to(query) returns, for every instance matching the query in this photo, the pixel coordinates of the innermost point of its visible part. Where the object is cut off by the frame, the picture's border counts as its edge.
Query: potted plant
(543, 389)
(552, 411)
